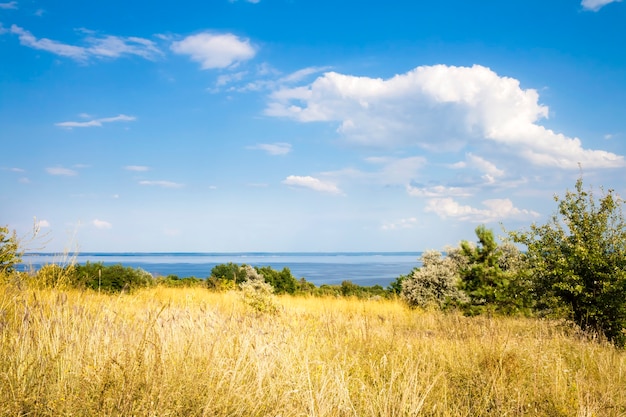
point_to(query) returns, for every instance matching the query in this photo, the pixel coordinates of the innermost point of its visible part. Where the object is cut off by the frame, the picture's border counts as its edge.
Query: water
(362, 268)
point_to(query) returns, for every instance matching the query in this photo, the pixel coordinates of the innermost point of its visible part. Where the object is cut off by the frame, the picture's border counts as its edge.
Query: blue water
(362, 268)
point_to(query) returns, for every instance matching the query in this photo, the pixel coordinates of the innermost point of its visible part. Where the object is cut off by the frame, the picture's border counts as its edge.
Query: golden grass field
(191, 352)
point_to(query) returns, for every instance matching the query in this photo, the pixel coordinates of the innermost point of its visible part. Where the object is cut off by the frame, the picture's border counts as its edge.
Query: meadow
(191, 352)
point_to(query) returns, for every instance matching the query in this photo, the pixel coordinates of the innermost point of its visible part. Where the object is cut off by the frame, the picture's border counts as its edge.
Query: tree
(578, 261)
(492, 276)
(10, 254)
(282, 281)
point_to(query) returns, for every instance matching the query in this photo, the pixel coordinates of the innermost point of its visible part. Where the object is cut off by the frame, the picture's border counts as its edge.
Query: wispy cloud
(312, 184)
(437, 191)
(97, 122)
(13, 169)
(9, 5)
(213, 50)
(595, 5)
(136, 168)
(101, 224)
(439, 108)
(162, 183)
(279, 148)
(495, 210)
(43, 223)
(408, 223)
(61, 171)
(265, 78)
(106, 46)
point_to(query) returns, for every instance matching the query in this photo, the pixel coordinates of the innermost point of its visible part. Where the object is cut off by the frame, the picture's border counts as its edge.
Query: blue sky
(292, 125)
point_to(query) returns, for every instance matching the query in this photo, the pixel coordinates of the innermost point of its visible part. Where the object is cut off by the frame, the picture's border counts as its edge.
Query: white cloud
(215, 50)
(43, 223)
(161, 183)
(115, 46)
(438, 191)
(14, 169)
(266, 78)
(279, 148)
(97, 122)
(61, 171)
(398, 170)
(9, 5)
(136, 168)
(438, 107)
(496, 210)
(595, 5)
(107, 46)
(229, 78)
(312, 183)
(101, 224)
(409, 223)
(58, 48)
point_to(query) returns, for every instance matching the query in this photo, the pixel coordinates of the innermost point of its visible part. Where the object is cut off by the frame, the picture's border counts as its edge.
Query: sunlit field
(192, 352)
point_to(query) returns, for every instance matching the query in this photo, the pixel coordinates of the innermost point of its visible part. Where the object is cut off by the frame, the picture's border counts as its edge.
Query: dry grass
(190, 352)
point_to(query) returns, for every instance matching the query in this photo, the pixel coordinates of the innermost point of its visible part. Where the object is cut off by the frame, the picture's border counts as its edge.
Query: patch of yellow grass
(190, 352)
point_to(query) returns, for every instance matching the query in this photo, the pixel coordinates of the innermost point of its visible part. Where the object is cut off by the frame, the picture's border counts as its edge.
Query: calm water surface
(362, 268)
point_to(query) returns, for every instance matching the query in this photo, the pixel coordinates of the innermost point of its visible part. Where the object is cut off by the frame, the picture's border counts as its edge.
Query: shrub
(10, 254)
(282, 281)
(435, 284)
(111, 278)
(578, 261)
(55, 276)
(257, 293)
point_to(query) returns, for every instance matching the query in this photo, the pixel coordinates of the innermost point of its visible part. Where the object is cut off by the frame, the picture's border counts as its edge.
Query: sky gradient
(292, 125)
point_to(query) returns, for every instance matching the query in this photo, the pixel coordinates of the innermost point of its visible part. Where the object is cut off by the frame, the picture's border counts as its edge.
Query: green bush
(282, 281)
(112, 278)
(174, 281)
(10, 254)
(578, 262)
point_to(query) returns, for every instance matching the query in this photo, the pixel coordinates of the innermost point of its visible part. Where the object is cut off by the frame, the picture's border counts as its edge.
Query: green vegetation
(10, 254)
(578, 262)
(491, 330)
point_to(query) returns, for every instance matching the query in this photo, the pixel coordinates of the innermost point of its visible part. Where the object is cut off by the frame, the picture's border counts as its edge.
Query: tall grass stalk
(191, 352)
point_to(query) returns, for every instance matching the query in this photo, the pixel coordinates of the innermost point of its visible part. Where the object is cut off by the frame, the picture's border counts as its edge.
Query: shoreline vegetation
(480, 329)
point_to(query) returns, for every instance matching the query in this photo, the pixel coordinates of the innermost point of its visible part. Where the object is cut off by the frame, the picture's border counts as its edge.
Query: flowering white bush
(436, 282)
(257, 293)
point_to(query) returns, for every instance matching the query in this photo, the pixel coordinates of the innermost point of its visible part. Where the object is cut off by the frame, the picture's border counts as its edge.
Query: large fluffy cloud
(215, 50)
(438, 107)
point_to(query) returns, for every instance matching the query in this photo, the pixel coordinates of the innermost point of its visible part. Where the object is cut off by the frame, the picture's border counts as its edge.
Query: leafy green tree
(10, 254)
(228, 272)
(578, 261)
(282, 281)
(492, 276)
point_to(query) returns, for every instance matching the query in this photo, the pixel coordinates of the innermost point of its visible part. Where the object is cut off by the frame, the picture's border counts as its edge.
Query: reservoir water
(362, 268)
